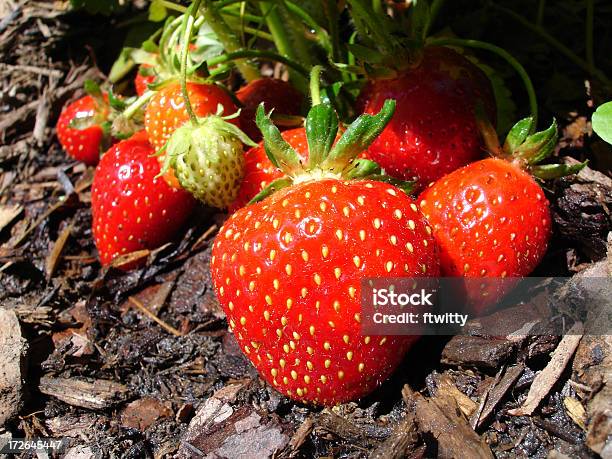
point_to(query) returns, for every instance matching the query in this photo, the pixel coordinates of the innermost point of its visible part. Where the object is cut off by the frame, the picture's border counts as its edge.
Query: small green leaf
(539, 145)
(602, 121)
(366, 54)
(321, 130)
(157, 11)
(279, 152)
(517, 135)
(358, 137)
(115, 102)
(92, 88)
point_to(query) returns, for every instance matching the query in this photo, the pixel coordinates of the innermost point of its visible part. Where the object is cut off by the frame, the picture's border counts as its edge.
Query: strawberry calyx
(327, 157)
(526, 150)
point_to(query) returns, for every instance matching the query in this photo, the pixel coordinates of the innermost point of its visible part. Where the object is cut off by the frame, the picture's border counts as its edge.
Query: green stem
(189, 19)
(258, 54)
(173, 6)
(131, 110)
(315, 84)
(554, 43)
(229, 40)
(239, 14)
(377, 6)
(540, 16)
(533, 102)
(434, 9)
(283, 40)
(590, 16)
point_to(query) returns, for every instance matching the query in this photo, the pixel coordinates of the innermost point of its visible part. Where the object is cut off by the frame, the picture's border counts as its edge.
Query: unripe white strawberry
(208, 159)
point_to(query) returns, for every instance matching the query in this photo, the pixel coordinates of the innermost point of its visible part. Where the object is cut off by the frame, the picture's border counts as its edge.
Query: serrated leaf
(602, 121)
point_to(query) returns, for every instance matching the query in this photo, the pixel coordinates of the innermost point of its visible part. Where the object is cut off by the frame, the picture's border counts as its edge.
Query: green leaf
(539, 145)
(358, 137)
(279, 152)
(321, 130)
(363, 53)
(157, 11)
(602, 121)
(517, 135)
(122, 66)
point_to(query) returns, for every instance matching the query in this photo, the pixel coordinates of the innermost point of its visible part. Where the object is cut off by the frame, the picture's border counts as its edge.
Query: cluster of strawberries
(318, 208)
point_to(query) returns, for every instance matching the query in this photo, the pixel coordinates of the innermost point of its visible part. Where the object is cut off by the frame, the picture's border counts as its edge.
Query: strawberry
(260, 172)
(288, 270)
(206, 156)
(132, 208)
(166, 109)
(275, 94)
(491, 218)
(434, 130)
(80, 128)
(143, 79)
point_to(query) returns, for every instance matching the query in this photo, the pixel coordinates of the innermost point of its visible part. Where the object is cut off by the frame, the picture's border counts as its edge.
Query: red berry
(288, 270)
(491, 219)
(83, 141)
(259, 171)
(133, 210)
(166, 109)
(433, 130)
(142, 82)
(275, 94)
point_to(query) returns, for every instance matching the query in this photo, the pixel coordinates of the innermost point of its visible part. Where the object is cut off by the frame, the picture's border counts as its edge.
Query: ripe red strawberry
(434, 130)
(288, 270)
(132, 209)
(79, 129)
(275, 94)
(490, 218)
(143, 79)
(166, 109)
(260, 172)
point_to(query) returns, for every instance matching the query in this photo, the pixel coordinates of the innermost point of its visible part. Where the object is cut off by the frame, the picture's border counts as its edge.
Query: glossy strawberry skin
(142, 82)
(275, 94)
(260, 172)
(490, 219)
(288, 273)
(433, 130)
(132, 210)
(166, 109)
(81, 144)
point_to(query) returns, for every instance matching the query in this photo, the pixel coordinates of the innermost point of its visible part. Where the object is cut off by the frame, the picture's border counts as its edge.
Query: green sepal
(358, 137)
(280, 153)
(363, 168)
(406, 186)
(271, 188)
(538, 146)
(122, 65)
(517, 135)
(363, 53)
(321, 129)
(115, 102)
(553, 171)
